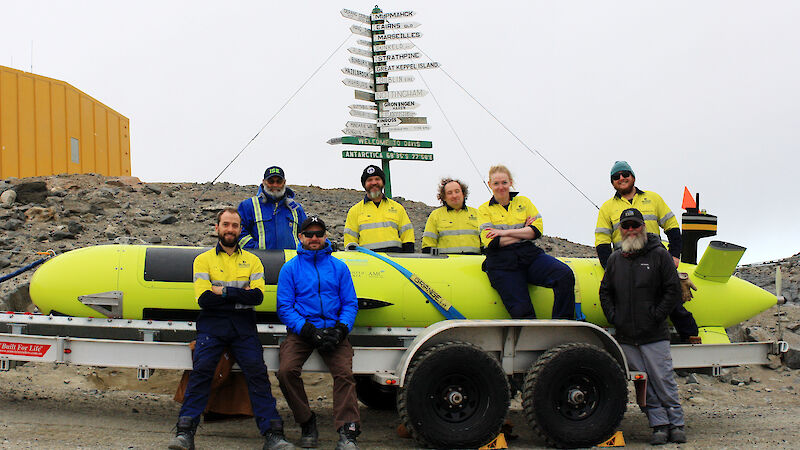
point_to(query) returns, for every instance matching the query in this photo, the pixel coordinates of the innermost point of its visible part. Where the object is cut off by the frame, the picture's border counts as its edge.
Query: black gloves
(312, 335)
(331, 337)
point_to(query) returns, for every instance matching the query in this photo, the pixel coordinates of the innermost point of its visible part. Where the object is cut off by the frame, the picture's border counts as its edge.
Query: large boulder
(31, 192)
(8, 197)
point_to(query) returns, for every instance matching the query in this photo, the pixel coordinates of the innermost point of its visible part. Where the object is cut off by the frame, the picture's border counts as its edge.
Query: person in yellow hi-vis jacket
(453, 228)
(228, 284)
(509, 225)
(378, 223)
(656, 213)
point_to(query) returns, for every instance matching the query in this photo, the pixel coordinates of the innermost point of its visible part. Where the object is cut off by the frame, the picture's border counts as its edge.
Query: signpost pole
(382, 87)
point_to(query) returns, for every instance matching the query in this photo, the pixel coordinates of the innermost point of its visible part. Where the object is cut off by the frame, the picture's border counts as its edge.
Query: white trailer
(451, 382)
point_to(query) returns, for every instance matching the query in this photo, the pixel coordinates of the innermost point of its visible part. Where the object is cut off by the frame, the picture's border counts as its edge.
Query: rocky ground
(47, 406)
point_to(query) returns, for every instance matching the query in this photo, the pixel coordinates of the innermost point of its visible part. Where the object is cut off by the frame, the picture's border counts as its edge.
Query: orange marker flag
(688, 200)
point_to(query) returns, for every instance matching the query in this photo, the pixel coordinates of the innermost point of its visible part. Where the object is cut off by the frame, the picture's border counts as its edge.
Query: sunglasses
(617, 175)
(310, 234)
(629, 225)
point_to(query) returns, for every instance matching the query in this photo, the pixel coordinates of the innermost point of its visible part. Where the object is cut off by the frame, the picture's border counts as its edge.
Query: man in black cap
(271, 218)
(378, 223)
(639, 289)
(317, 302)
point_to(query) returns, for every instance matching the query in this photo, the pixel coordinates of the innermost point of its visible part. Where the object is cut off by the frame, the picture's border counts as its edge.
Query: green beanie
(619, 166)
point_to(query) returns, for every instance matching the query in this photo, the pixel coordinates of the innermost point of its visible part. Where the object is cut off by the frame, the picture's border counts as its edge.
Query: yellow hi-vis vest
(217, 268)
(656, 214)
(494, 215)
(385, 225)
(453, 231)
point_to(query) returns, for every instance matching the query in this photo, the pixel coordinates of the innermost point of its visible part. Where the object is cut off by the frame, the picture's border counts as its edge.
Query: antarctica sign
(377, 65)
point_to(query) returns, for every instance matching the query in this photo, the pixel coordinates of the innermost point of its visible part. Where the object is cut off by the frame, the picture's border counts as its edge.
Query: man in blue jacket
(317, 302)
(270, 219)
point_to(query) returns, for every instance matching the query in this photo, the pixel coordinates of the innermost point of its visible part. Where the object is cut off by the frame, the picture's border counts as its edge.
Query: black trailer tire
(575, 395)
(455, 396)
(374, 395)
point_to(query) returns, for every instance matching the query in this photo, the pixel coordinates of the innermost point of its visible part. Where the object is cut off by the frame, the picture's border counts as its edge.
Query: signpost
(389, 109)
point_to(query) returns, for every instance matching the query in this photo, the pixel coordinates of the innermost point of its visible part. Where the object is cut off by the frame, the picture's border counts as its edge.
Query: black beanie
(372, 171)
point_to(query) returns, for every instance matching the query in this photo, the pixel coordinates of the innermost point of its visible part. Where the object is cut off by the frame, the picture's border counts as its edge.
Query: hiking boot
(659, 436)
(348, 434)
(309, 434)
(677, 435)
(184, 436)
(275, 440)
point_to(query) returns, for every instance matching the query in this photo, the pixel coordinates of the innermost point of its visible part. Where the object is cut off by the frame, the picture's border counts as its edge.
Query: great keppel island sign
(388, 49)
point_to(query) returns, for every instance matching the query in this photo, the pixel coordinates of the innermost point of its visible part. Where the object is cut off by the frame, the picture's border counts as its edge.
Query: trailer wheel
(455, 396)
(575, 395)
(374, 395)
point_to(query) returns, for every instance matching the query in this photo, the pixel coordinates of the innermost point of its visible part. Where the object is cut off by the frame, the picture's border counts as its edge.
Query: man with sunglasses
(270, 219)
(317, 302)
(656, 213)
(639, 289)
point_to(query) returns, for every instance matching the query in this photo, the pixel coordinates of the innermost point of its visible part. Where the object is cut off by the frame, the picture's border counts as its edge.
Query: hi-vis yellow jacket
(655, 211)
(378, 227)
(453, 231)
(494, 215)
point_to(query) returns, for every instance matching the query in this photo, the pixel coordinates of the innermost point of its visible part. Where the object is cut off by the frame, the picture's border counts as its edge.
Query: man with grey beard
(271, 219)
(639, 289)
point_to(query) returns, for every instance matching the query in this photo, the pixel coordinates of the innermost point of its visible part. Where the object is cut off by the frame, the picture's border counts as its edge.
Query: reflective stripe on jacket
(655, 211)
(375, 227)
(268, 224)
(316, 287)
(495, 215)
(453, 231)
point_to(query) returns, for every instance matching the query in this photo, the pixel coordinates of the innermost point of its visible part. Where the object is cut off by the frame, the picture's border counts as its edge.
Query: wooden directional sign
(360, 52)
(364, 43)
(394, 26)
(360, 62)
(398, 56)
(406, 104)
(364, 95)
(409, 35)
(335, 141)
(397, 114)
(360, 132)
(356, 72)
(362, 125)
(394, 68)
(413, 120)
(358, 84)
(383, 80)
(406, 128)
(386, 142)
(372, 107)
(390, 47)
(355, 29)
(388, 122)
(400, 94)
(387, 155)
(394, 15)
(352, 15)
(363, 114)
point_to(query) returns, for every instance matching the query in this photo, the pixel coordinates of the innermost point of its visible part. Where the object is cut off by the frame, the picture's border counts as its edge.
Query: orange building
(49, 127)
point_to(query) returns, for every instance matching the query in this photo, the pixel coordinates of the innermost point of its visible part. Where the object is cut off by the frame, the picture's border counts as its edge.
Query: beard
(228, 240)
(627, 191)
(634, 243)
(375, 194)
(275, 193)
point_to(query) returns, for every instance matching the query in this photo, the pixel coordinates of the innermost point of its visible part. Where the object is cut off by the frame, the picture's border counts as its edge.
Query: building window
(75, 150)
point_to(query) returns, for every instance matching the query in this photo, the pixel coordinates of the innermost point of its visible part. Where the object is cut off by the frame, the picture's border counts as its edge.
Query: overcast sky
(696, 93)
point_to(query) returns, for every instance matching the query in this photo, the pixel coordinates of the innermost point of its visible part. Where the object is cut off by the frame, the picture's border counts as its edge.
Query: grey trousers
(663, 404)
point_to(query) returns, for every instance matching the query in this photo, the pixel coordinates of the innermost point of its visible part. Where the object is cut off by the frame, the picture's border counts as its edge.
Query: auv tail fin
(719, 261)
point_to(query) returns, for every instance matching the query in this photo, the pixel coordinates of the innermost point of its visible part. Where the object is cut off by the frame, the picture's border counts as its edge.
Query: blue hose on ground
(30, 266)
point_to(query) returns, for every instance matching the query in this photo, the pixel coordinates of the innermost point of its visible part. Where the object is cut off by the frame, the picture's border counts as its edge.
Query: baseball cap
(631, 215)
(274, 171)
(312, 220)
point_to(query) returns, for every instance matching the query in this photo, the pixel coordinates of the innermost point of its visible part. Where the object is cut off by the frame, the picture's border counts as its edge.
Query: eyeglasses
(629, 225)
(310, 234)
(617, 175)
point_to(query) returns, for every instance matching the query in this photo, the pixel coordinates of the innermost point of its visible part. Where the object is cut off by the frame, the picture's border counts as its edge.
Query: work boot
(309, 434)
(677, 435)
(348, 434)
(184, 436)
(659, 436)
(274, 438)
